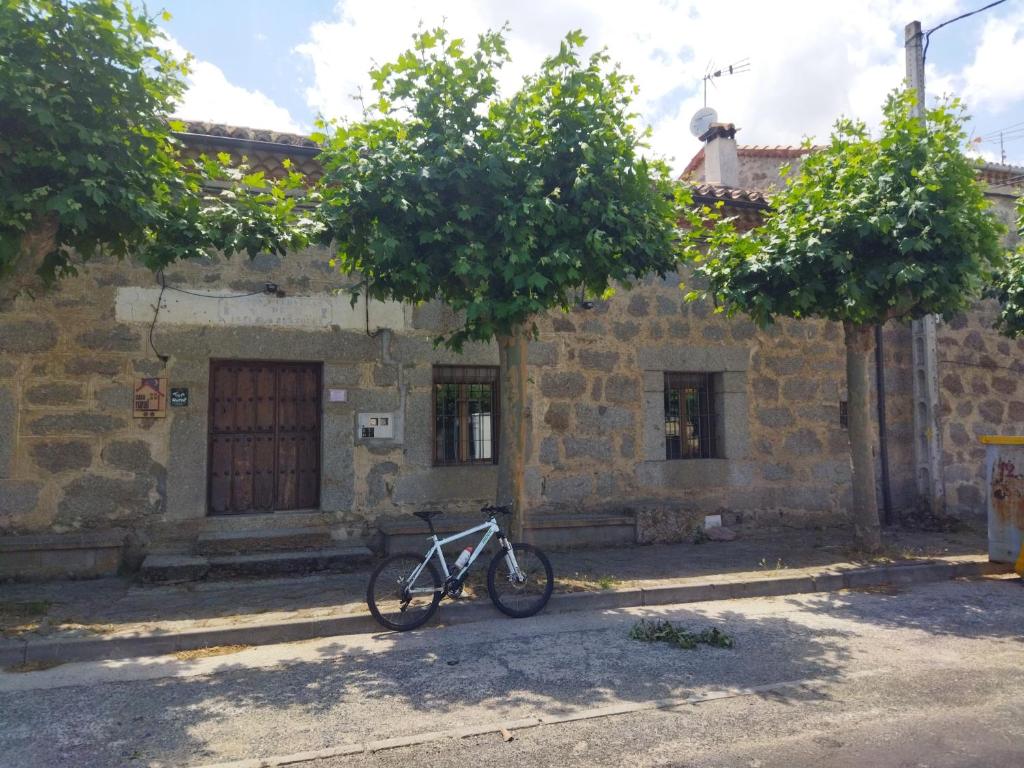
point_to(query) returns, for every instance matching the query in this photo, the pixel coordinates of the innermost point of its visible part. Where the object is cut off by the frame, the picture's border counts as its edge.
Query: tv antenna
(743, 65)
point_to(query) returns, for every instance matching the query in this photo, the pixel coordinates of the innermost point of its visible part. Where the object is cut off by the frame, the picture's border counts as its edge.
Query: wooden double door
(264, 436)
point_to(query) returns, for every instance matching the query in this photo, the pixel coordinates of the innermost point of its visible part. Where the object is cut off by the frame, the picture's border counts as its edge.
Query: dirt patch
(19, 617)
(33, 666)
(213, 650)
(877, 589)
(96, 629)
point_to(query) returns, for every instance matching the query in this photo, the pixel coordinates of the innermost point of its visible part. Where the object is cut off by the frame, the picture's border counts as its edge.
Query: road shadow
(400, 684)
(941, 609)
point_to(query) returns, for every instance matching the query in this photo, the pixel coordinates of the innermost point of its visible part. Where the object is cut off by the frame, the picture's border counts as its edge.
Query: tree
(1008, 286)
(501, 208)
(867, 231)
(88, 160)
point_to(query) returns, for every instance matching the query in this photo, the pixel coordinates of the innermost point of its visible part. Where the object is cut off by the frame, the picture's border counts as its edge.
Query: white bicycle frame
(490, 528)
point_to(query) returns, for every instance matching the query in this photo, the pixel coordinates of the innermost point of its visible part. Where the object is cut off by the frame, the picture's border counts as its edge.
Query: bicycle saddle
(425, 515)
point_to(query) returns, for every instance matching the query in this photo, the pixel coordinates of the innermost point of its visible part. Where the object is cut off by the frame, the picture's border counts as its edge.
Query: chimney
(721, 164)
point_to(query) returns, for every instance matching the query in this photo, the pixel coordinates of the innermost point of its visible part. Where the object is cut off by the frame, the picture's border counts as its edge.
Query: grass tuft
(666, 632)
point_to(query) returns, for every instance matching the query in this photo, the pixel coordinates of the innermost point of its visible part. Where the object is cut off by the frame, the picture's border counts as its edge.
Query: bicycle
(405, 590)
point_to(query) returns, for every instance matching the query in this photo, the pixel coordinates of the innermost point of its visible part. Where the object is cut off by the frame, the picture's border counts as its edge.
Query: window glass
(690, 416)
(465, 414)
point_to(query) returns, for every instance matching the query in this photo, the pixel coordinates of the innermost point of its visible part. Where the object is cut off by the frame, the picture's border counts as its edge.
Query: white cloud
(212, 97)
(811, 61)
(994, 80)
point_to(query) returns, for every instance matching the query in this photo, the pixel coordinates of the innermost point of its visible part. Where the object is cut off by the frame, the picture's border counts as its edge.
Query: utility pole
(931, 486)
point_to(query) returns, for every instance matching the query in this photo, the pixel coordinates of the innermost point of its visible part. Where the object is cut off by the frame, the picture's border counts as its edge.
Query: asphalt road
(929, 677)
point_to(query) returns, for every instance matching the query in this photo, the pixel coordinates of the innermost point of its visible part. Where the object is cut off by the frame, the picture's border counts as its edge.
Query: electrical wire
(156, 313)
(215, 295)
(165, 287)
(928, 34)
(1006, 129)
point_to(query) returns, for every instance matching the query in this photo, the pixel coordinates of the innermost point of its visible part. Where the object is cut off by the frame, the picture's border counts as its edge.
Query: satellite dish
(702, 120)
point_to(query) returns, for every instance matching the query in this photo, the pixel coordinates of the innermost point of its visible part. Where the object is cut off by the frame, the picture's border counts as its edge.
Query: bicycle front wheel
(398, 601)
(525, 594)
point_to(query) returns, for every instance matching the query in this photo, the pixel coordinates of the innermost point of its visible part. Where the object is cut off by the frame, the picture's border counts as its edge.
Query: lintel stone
(694, 358)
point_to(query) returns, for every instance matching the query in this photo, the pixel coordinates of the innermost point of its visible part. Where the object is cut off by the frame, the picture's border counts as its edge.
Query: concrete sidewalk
(117, 618)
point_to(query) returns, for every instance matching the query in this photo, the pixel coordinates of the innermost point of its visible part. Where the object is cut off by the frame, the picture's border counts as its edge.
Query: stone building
(195, 416)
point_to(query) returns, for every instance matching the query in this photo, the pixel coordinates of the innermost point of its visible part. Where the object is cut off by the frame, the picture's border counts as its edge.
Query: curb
(694, 591)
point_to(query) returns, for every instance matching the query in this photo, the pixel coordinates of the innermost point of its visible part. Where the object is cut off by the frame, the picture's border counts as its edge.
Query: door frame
(318, 366)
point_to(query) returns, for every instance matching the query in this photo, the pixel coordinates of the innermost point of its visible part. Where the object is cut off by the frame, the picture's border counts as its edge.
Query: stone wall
(598, 414)
(73, 460)
(981, 388)
(72, 457)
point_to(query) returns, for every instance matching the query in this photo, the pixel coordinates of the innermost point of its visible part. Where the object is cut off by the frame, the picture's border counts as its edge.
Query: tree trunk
(865, 502)
(23, 272)
(512, 437)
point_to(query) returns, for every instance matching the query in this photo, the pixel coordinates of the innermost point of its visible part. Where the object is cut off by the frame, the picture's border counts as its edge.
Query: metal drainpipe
(883, 441)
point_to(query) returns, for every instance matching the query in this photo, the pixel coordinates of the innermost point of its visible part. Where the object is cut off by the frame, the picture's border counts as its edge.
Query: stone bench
(62, 555)
(409, 534)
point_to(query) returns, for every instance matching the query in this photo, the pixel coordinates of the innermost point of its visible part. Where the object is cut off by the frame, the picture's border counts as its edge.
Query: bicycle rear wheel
(520, 598)
(389, 597)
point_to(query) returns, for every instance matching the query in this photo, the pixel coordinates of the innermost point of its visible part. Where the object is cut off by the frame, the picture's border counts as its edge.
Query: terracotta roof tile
(241, 133)
(999, 174)
(747, 198)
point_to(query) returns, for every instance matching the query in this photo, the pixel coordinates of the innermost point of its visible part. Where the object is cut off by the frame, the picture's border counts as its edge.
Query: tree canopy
(868, 229)
(88, 159)
(499, 207)
(1009, 285)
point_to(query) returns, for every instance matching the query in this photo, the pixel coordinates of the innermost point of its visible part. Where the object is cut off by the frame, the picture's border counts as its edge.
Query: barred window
(690, 416)
(466, 411)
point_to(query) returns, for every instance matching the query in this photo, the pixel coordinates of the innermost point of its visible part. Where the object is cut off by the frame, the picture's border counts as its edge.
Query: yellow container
(1004, 462)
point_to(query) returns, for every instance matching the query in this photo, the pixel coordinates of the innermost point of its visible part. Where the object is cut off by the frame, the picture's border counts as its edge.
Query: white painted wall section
(137, 305)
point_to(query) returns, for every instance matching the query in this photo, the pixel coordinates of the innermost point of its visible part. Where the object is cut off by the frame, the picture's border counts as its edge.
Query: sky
(278, 65)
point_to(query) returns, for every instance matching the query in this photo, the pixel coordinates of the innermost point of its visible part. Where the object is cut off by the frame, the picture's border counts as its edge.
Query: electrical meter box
(376, 425)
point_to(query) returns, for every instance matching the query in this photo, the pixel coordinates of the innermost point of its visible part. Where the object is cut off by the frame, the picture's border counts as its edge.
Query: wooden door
(264, 441)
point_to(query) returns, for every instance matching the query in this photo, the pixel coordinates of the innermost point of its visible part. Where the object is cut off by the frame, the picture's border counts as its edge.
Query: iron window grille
(466, 415)
(690, 419)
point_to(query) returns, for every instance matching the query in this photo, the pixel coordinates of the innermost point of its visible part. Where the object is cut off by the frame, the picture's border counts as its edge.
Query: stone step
(170, 569)
(268, 521)
(248, 542)
(343, 559)
(179, 568)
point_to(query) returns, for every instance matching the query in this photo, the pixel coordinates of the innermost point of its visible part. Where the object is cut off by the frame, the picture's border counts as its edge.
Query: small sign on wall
(150, 398)
(179, 397)
(376, 425)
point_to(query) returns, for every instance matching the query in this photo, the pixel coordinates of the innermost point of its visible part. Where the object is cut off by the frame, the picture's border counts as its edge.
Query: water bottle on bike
(405, 590)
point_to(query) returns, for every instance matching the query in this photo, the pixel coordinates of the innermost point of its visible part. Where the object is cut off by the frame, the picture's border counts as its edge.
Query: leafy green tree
(88, 161)
(501, 208)
(867, 231)
(1008, 286)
